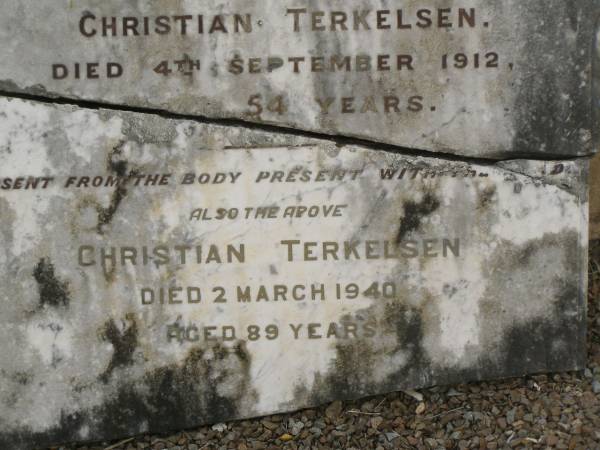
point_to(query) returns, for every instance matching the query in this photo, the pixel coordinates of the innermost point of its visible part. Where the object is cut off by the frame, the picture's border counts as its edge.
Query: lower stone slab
(159, 274)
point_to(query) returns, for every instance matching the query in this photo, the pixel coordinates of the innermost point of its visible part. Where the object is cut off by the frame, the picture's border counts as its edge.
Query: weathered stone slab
(479, 77)
(298, 273)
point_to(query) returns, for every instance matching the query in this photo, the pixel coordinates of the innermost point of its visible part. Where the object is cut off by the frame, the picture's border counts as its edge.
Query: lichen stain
(485, 197)
(551, 337)
(23, 378)
(547, 119)
(555, 310)
(105, 215)
(414, 212)
(352, 373)
(532, 317)
(52, 291)
(124, 344)
(185, 394)
(36, 89)
(120, 168)
(149, 129)
(167, 398)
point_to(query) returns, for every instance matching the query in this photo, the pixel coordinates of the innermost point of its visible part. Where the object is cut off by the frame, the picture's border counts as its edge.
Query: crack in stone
(338, 139)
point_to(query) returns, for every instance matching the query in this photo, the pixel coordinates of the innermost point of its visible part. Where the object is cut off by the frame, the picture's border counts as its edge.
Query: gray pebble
(391, 436)
(510, 416)
(297, 428)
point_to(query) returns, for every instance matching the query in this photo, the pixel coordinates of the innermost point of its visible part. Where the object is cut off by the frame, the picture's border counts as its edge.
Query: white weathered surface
(537, 100)
(82, 358)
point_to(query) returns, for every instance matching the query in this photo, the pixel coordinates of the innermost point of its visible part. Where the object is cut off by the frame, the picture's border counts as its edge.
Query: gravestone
(480, 78)
(159, 274)
(251, 208)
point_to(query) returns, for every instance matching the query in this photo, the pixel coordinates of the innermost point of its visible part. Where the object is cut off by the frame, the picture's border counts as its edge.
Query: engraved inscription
(474, 78)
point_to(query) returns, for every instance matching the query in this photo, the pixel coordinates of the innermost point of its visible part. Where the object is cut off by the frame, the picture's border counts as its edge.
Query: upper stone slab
(478, 78)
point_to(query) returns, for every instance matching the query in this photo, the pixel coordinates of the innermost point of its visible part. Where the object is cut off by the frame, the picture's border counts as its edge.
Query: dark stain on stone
(554, 106)
(52, 291)
(124, 344)
(23, 378)
(555, 341)
(36, 89)
(168, 398)
(414, 212)
(525, 253)
(485, 197)
(105, 215)
(551, 341)
(92, 203)
(350, 375)
(117, 166)
(120, 168)
(185, 394)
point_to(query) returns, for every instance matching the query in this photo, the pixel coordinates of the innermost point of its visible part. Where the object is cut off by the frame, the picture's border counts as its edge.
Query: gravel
(559, 411)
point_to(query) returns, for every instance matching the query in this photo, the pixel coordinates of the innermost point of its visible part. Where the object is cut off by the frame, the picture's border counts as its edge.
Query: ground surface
(547, 411)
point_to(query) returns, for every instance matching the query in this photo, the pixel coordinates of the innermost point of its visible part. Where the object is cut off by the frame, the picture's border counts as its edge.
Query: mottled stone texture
(479, 272)
(482, 78)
